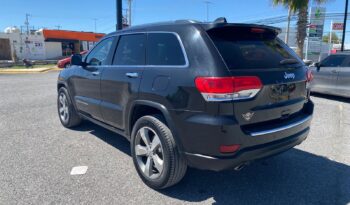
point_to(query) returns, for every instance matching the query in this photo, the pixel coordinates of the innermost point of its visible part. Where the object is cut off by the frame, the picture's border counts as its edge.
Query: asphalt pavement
(37, 155)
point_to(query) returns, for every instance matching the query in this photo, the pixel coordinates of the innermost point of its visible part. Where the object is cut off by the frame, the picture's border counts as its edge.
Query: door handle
(95, 73)
(132, 75)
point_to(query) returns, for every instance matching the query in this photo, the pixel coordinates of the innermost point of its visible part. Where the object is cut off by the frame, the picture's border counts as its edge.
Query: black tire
(73, 119)
(174, 165)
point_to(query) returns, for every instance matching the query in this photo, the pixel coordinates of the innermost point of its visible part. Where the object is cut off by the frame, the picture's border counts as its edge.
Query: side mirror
(318, 66)
(76, 59)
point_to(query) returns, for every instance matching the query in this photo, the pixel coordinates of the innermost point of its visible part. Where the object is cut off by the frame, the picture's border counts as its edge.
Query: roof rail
(186, 21)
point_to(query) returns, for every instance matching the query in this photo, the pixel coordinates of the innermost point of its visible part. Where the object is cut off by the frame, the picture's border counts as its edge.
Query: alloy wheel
(149, 153)
(63, 108)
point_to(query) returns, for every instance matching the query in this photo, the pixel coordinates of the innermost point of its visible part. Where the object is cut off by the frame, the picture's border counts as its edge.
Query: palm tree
(300, 6)
(291, 9)
(301, 28)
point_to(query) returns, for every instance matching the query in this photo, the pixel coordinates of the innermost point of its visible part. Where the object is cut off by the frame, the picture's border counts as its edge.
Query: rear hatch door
(257, 51)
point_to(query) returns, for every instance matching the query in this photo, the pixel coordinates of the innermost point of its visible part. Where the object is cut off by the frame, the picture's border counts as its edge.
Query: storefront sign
(315, 33)
(337, 26)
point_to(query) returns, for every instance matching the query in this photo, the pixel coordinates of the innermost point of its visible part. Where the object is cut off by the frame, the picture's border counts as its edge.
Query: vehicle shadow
(294, 177)
(113, 139)
(331, 97)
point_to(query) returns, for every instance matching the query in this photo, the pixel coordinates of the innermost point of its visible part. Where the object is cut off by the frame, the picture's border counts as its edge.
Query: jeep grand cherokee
(212, 96)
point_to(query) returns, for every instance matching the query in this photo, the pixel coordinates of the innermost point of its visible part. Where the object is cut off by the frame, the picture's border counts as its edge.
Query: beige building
(44, 44)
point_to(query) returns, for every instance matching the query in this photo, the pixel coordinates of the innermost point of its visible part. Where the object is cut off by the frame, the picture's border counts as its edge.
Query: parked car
(65, 63)
(212, 96)
(332, 75)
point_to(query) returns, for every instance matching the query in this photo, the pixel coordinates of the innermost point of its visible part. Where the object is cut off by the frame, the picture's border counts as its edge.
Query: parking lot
(37, 155)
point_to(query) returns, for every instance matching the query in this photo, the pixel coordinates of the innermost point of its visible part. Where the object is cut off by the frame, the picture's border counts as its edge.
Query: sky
(82, 15)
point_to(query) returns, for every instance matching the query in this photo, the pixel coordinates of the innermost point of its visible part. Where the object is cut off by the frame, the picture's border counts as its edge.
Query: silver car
(332, 75)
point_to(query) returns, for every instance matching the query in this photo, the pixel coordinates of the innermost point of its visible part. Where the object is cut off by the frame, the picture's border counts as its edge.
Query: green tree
(335, 38)
(301, 8)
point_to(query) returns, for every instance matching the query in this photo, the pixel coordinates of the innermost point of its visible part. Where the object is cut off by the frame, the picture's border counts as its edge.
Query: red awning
(72, 35)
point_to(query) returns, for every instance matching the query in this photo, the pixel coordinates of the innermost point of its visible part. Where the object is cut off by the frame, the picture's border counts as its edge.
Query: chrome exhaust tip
(240, 167)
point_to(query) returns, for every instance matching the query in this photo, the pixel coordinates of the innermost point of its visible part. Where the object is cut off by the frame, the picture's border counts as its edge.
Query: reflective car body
(332, 75)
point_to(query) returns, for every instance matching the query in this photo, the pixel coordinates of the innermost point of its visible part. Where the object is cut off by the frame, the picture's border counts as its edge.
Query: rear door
(120, 81)
(325, 77)
(343, 80)
(257, 51)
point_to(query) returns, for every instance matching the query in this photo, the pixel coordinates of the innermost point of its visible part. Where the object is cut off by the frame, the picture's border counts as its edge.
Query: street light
(207, 4)
(129, 12)
(95, 21)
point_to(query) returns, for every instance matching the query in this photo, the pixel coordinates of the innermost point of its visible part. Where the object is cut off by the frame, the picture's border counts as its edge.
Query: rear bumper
(208, 133)
(247, 154)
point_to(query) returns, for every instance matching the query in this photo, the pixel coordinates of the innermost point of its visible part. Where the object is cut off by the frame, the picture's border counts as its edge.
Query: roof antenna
(220, 20)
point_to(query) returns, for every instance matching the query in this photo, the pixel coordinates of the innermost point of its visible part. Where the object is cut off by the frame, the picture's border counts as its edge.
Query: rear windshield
(249, 48)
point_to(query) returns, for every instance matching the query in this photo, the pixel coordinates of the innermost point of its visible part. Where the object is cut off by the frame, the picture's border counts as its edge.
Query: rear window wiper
(289, 61)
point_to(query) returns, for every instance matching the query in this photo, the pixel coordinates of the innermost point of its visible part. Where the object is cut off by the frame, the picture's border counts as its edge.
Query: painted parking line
(79, 170)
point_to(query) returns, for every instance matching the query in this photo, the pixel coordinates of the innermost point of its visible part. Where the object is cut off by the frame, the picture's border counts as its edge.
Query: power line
(281, 19)
(70, 17)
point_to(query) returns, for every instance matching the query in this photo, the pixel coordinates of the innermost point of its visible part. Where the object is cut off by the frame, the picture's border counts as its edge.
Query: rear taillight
(309, 76)
(228, 88)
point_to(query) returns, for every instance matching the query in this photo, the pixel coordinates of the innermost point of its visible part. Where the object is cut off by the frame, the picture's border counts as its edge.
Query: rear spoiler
(211, 26)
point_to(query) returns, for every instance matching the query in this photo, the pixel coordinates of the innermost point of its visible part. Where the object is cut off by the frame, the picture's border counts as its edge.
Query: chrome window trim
(162, 66)
(271, 131)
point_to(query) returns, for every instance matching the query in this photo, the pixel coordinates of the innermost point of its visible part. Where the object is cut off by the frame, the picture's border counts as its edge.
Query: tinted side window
(164, 49)
(98, 55)
(347, 61)
(333, 61)
(130, 50)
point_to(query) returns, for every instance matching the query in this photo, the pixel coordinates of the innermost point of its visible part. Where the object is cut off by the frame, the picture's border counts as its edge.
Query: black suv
(212, 96)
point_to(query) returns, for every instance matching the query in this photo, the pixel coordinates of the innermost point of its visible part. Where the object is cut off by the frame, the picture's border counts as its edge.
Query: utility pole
(27, 23)
(95, 20)
(286, 39)
(119, 9)
(308, 37)
(58, 27)
(330, 38)
(330, 33)
(129, 12)
(207, 4)
(344, 25)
